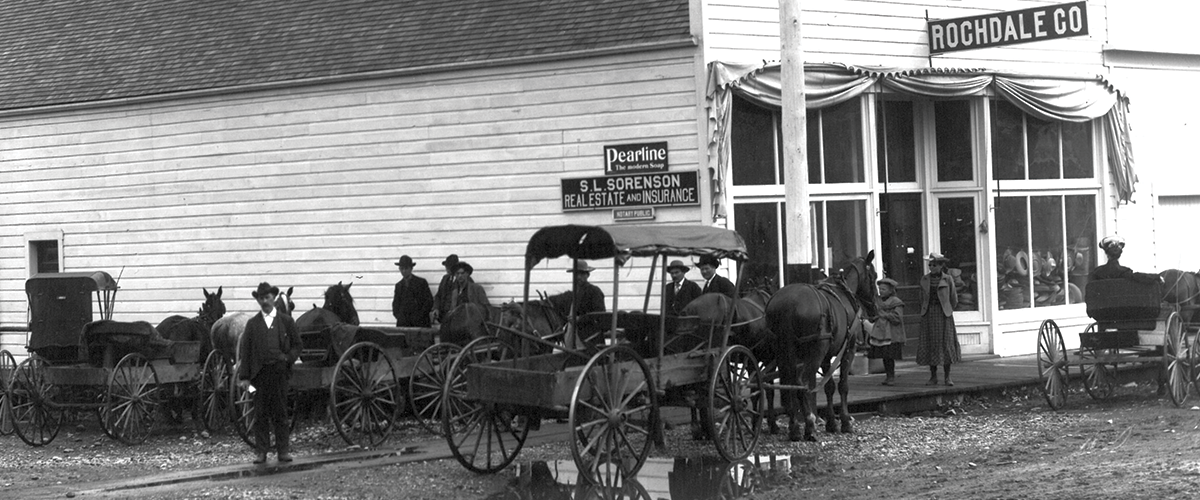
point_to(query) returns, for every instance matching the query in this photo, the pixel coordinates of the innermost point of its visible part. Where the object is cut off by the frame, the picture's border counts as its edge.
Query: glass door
(957, 235)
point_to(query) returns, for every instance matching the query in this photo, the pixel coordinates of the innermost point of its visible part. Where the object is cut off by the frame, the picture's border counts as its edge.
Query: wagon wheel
(215, 410)
(30, 396)
(1175, 360)
(1194, 361)
(241, 404)
(362, 395)
(1052, 364)
(483, 436)
(1099, 379)
(425, 384)
(132, 399)
(629, 489)
(8, 366)
(735, 403)
(613, 409)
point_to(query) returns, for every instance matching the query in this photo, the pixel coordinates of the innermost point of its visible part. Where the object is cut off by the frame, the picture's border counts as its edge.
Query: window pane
(1008, 144)
(902, 230)
(956, 220)
(1043, 148)
(1049, 289)
(953, 125)
(1081, 233)
(897, 150)
(1012, 247)
(759, 227)
(817, 225)
(753, 144)
(813, 129)
(847, 222)
(46, 253)
(842, 137)
(1077, 150)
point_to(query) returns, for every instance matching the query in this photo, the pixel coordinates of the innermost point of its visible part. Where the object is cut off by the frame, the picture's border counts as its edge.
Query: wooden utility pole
(795, 146)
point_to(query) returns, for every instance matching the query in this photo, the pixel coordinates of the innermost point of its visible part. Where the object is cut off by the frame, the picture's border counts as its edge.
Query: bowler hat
(1112, 241)
(581, 267)
(451, 260)
(888, 281)
(265, 288)
(936, 257)
(463, 265)
(709, 260)
(678, 264)
(406, 261)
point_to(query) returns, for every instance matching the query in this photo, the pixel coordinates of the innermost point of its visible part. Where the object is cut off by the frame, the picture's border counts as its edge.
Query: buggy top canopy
(623, 242)
(87, 281)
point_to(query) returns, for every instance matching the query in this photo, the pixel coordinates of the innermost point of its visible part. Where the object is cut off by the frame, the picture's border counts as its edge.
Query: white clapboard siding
(309, 186)
(893, 34)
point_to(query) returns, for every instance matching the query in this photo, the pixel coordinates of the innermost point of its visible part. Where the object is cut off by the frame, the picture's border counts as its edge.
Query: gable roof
(73, 51)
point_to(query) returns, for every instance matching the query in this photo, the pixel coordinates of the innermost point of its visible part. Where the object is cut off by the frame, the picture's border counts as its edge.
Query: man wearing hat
(1113, 247)
(713, 282)
(465, 289)
(266, 351)
(680, 290)
(411, 302)
(441, 301)
(589, 297)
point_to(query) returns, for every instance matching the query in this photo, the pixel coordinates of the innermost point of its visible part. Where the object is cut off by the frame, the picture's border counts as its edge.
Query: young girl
(887, 339)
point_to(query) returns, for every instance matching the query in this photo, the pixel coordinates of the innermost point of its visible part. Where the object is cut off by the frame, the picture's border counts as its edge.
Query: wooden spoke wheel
(613, 410)
(34, 417)
(8, 366)
(362, 395)
(625, 489)
(426, 382)
(1099, 379)
(241, 405)
(1194, 361)
(132, 400)
(1175, 360)
(735, 403)
(1052, 364)
(215, 411)
(484, 437)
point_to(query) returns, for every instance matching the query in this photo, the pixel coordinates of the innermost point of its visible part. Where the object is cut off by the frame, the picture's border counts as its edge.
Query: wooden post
(795, 147)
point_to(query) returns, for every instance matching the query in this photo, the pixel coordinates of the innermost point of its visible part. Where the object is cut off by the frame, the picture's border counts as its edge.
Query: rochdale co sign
(1008, 28)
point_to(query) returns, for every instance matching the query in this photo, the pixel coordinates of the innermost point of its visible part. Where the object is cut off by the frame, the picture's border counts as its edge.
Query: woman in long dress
(938, 343)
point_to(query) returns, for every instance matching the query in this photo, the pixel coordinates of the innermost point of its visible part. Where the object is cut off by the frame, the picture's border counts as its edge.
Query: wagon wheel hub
(615, 418)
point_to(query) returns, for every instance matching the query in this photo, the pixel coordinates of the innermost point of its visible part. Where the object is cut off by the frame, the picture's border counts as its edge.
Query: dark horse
(337, 315)
(813, 324)
(195, 329)
(543, 318)
(1182, 288)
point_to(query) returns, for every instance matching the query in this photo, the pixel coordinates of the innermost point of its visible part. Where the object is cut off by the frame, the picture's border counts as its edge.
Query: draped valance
(1047, 98)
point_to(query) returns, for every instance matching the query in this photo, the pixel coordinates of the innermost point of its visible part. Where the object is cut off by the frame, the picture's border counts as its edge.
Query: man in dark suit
(441, 300)
(266, 351)
(590, 297)
(680, 290)
(411, 302)
(713, 282)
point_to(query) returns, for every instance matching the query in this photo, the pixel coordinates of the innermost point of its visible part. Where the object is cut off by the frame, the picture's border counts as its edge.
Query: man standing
(590, 298)
(465, 289)
(680, 290)
(441, 301)
(713, 282)
(411, 302)
(267, 349)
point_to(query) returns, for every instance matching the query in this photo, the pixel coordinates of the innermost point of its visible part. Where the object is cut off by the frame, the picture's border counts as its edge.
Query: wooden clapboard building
(185, 145)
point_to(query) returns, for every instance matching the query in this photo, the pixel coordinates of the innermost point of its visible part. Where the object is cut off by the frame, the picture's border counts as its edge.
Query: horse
(813, 323)
(543, 318)
(337, 317)
(226, 331)
(1182, 288)
(180, 328)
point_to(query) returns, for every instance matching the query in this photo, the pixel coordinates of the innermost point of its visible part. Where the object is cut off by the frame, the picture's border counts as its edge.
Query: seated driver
(1113, 247)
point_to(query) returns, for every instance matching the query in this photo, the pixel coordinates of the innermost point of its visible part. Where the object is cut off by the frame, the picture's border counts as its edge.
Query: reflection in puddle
(659, 479)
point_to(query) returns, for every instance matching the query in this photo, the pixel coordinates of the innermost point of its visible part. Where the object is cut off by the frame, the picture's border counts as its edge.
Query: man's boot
(284, 456)
(260, 457)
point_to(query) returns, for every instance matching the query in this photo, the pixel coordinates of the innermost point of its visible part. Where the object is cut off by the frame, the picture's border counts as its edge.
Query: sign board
(632, 214)
(1008, 28)
(635, 158)
(669, 189)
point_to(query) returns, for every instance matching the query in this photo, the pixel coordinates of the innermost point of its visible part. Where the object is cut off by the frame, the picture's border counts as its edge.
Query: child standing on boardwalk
(886, 341)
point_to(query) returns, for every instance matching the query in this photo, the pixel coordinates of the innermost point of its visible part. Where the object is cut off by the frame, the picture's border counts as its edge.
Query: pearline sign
(1008, 28)
(635, 158)
(671, 189)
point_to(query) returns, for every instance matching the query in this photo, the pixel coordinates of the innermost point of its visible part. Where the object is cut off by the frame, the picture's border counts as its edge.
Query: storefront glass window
(761, 227)
(953, 127)
(835, 144)
(1077, 150)
(1043, 244)
(840, 229)
(1008, 142)
(956, 218)
(1053, 150)
(896, 150)
(753, 145)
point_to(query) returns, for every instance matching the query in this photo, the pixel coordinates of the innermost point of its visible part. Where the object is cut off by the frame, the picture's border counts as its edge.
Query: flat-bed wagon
(610, 384)
(1132, 325)
(367, 376)
(82, 360)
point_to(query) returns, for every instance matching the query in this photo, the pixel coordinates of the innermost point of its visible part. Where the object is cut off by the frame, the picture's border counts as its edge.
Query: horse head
(284, 304)
(213, 307)
(858, 276)
(339, 301)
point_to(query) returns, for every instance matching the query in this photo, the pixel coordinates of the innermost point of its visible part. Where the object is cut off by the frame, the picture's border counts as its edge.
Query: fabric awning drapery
(1047, 98)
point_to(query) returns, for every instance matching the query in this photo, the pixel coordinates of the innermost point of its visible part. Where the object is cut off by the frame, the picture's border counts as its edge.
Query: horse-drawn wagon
(1132, 324)
(610, 384)
(82, 360)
